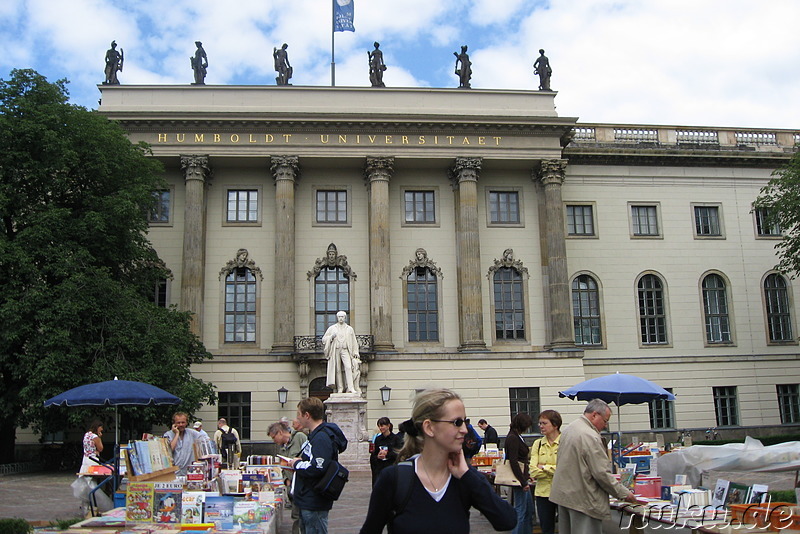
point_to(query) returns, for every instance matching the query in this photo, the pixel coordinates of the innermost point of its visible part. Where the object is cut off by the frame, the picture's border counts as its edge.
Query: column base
(473, 346)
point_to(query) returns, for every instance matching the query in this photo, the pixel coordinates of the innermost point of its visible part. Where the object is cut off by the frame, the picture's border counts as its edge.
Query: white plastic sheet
(751, 455)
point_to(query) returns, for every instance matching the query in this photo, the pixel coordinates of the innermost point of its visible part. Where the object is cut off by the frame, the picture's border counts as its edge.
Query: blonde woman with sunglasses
(433, 488)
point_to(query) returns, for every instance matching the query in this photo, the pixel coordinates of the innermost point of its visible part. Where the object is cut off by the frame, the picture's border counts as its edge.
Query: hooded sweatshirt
(323, 446)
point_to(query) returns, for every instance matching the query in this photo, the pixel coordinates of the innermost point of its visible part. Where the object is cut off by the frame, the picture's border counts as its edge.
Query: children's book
(139, 502)
(219, 510)
(245, 514)
(627, 476)
(192, 507)
(167, 500)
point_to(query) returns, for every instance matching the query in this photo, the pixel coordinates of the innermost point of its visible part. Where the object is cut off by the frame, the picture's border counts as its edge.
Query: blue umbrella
(617, 388)
(114, 393)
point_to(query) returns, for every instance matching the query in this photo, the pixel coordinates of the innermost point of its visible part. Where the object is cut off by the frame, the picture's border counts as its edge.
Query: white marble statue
(341, 351)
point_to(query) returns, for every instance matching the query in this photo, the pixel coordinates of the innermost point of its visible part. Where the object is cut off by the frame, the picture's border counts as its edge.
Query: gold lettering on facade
(481, 140)
(234, 138)
(180, 137)
(324, 139)
(372, 138)
(198, 138)
(252, 139)
(405, 139)
(342, 139)
(466, 141)
(450, 139)
(269, 138)
(217, 138)
(358, 139)
(286, 137)
(496, 140)
(389, 140)
(421, 140)
(162, 138)
(435, 139)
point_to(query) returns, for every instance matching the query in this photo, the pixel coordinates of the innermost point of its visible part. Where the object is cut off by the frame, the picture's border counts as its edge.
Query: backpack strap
(403, 484)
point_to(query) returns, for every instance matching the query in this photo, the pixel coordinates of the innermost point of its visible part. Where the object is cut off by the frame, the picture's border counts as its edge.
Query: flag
(343, 16)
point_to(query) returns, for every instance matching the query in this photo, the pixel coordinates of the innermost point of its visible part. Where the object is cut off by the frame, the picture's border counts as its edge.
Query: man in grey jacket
(583, 480)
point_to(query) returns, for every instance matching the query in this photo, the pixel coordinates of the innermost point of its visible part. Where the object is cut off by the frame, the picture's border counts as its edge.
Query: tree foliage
(76, 268)
(781, 200)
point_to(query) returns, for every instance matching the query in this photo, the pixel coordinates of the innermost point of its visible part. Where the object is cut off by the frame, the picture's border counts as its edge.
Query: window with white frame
(240, 306)
(789, 402)
(420, 207)
(644, 220)
(726, 405)
(242, 206)
(504, 207)
(586, 311)
(580, 220)
(662, 413)
(766, 226)
(707, 221)
(652, 310)
(776, 300)
(715, 309)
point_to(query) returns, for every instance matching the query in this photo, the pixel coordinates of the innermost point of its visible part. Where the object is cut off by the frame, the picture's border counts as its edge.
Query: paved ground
(48, 496)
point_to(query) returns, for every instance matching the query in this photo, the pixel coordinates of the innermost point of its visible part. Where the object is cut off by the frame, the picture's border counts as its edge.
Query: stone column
(197, 174)
(285, 172)
(464, 175)
(551, 175)
(377, 173)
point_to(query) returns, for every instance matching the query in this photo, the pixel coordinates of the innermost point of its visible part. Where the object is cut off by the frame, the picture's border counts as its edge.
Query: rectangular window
(725, 406)
(644, 220)
(331, 207)
(524, 400)
(706, 221)
(234, 407)
(580, 220)
(662, 414)
(160, 211)
(420, 207)
(509, 304)
(423, 312)
(160, 293)
(331, 295)
(504, 207)
(764, 226)
(242, 205)
(240, 306)
(789, 402)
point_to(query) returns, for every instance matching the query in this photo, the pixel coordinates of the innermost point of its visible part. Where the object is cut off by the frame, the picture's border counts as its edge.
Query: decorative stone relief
(465, 169)
(332, 258)
(421, 259)
(378, 168)
(195, 168)
(240, 261)
(285, 168)
(507, 261)
(553, 171)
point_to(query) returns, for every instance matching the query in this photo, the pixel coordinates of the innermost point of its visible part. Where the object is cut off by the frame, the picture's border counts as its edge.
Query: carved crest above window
(422, 260)
(508, 261)
(240, 261)
(332, 258)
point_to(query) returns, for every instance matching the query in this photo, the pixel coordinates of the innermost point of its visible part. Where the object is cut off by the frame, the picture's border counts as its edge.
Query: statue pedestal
(349, 411)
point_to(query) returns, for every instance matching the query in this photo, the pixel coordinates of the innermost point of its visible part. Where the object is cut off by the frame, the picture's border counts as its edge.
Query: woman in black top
(433, 491)
(517, 452)
(386, 445)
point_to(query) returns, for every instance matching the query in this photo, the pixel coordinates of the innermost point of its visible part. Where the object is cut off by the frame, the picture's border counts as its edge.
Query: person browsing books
(291, 444)
(583, 480)
(433, 488)
(544, 454)
(181, 441)
(92, 445)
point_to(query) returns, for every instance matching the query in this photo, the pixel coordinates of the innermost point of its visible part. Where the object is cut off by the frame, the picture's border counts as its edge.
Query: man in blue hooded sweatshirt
(325, 442)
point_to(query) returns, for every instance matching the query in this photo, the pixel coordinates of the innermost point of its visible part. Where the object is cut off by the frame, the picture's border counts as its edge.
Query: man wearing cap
(204, 437)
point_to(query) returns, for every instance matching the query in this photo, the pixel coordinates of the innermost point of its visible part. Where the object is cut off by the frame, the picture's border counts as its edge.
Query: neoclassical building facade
(477, 241)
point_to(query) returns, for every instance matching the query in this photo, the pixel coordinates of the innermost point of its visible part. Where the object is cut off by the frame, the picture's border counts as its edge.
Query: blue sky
(667, 62)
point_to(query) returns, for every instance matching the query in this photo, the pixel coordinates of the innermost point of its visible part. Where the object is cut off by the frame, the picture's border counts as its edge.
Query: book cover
(758, 494)
(627, 476)
(167, 500)
(720, 495)
(143, 453)
(192, 507)
(219, 510)
(737, 494)
(139, 502)
(245, 514)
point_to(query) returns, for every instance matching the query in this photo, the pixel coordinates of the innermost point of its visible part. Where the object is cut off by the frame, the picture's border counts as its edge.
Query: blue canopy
(113, 393)
(617, 388)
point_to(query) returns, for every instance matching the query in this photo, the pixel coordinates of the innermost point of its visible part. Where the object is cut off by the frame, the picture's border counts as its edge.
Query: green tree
(76, 267)
(781, 200)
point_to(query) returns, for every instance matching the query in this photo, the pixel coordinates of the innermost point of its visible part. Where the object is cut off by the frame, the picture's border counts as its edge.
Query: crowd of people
(422, 476)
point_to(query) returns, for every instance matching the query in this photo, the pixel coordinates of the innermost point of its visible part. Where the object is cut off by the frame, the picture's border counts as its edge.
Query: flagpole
(333, 33)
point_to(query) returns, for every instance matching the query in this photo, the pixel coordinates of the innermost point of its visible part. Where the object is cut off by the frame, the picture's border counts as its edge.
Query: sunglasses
(458, 422)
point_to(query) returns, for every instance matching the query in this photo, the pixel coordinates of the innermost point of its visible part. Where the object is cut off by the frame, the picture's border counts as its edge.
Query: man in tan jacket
(583, 481)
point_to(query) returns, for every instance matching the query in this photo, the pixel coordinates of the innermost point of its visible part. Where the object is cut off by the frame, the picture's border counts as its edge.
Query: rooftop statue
(376, 66)
(114, 63)
(199, 64)
(282, 66)
(542, 67)
(465, 70)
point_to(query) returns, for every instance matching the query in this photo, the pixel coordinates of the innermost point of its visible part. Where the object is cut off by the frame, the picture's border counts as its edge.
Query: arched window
(240, 306)
(423, 305)
(776, 299)
(652, 310)
(331, 295)
(715, 309)
(586, 311)
(509, 304)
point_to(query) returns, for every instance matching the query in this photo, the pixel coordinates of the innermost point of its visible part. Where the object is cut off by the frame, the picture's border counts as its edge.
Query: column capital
(552, 171)
(285, 168)
(465, 169)
(378, 169)
(195, 167)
